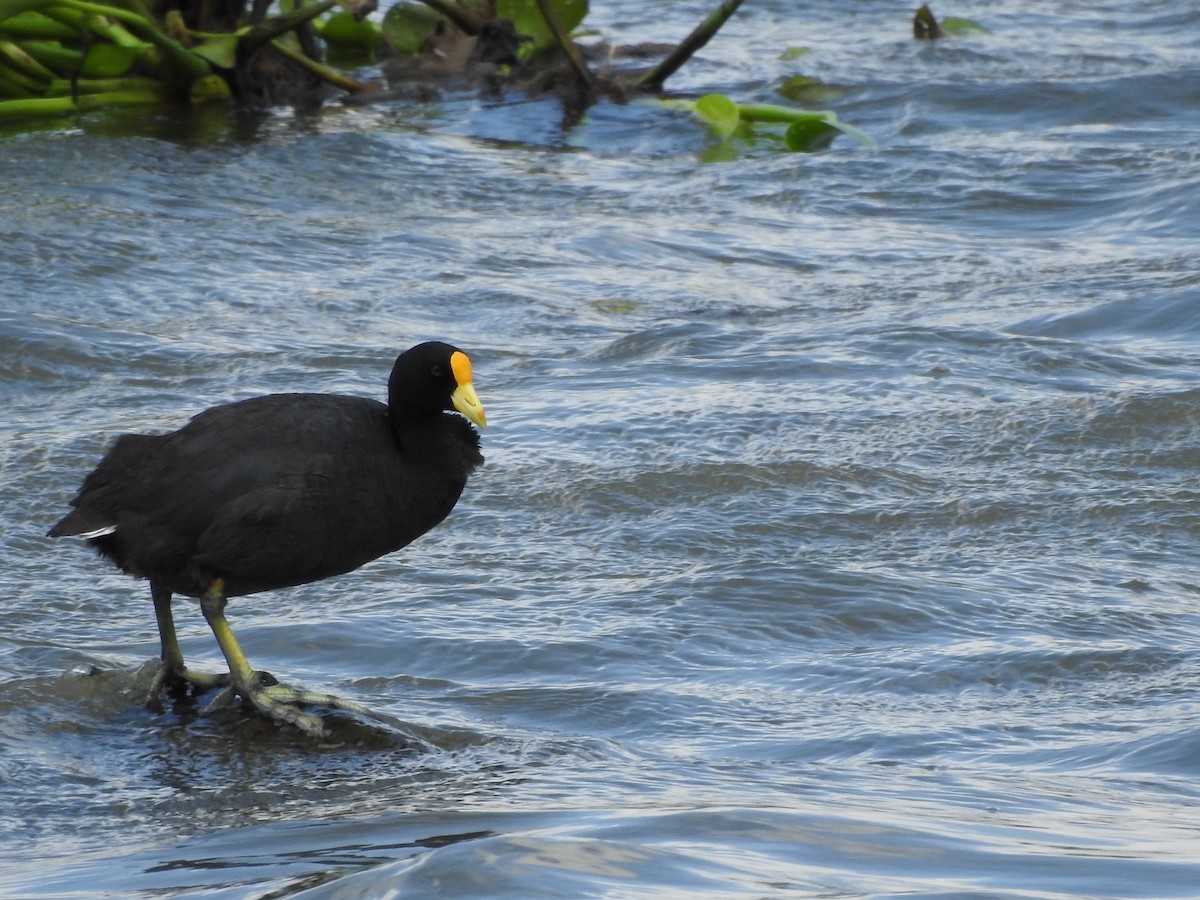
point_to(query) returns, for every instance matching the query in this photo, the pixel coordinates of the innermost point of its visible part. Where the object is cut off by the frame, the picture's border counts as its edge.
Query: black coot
(277, 491)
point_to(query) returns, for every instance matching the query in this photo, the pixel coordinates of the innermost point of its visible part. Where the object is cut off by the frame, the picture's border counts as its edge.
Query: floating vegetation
(798, 130)
(927, 28)
(64, 56)
(61, 56)
(806, 89)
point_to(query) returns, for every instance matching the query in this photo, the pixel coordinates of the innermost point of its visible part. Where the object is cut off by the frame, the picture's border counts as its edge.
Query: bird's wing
(323, 521)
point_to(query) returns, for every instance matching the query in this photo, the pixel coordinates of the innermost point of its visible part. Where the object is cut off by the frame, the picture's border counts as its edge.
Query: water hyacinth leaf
(809, 135)
(179, 66)
(359, 9)
(720, 114)
(954, 26)
(803, 89)
(105, 60)
(208, 89)
(769, 112)
(816, 131)
(220, 51)
(807, 130)
(343, 32)
(529, 21)
(407, 26)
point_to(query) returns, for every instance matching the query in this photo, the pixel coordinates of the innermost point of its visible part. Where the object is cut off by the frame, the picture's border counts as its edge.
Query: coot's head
(430, 378)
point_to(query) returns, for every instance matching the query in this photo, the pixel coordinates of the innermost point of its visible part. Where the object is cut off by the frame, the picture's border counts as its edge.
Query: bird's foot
(284, 704)
(180, 681)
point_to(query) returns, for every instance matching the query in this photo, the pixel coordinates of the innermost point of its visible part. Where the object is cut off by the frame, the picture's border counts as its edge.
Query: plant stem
(61, 87)
(61, 106)
(701, 35)
(333, 76)
(574, 57)
(279, 25)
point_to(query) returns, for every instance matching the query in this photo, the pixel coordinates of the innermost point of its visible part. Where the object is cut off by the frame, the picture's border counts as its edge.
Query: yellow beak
(467, 402)
(464, 398)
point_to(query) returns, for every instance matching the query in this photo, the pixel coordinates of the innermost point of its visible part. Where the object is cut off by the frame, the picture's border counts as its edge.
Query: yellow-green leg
(277, 701)
(173, 675)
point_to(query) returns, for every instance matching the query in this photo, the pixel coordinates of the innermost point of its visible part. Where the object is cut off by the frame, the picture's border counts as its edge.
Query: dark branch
(653, 80)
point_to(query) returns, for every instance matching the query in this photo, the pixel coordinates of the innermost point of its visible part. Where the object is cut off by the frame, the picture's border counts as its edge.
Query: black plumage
(281, 490)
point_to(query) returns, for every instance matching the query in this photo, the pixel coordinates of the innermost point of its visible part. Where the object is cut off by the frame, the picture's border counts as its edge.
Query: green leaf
(793, 53)
(807, 129)
(342, 31)
(180, 67)
(817, 133)
(803, 89)
(720, 114)
(528, 20)
(953, 26)
(220, 51)
(209, 89)
(105, 60)
(407, 26)
(807, 135)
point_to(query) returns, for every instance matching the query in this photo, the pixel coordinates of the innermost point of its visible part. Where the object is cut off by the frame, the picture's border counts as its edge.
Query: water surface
(838, 526)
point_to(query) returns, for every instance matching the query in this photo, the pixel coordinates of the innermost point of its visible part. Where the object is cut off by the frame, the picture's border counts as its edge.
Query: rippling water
(838, 530)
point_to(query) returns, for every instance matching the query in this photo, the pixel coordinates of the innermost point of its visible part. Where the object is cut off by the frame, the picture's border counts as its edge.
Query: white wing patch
(99, 532)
